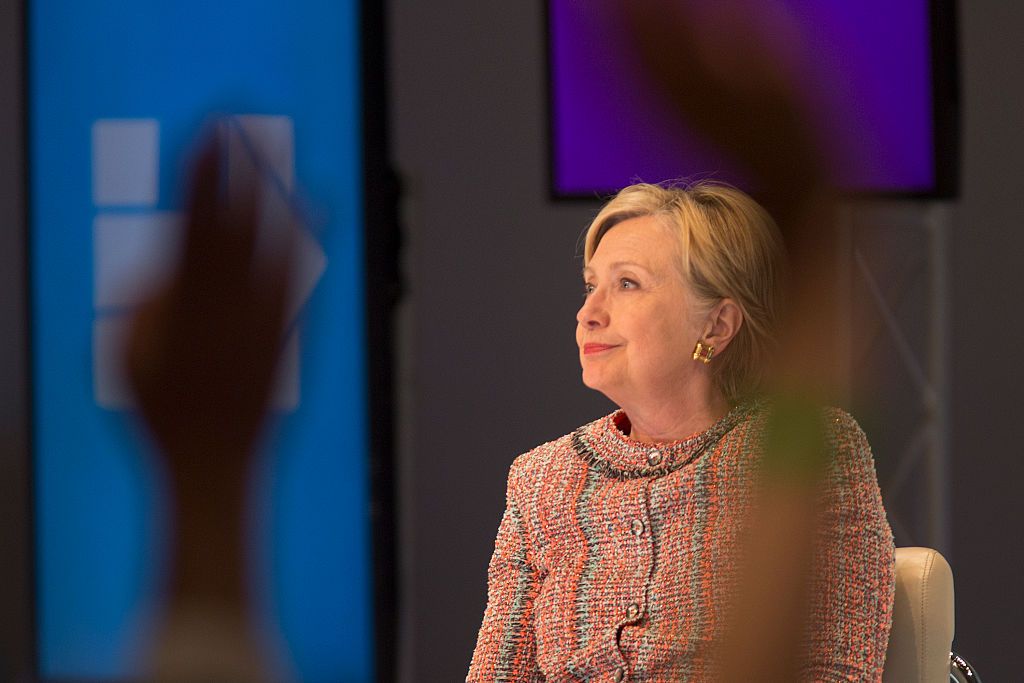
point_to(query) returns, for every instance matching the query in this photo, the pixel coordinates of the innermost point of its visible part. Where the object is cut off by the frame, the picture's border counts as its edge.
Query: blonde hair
(729, 248)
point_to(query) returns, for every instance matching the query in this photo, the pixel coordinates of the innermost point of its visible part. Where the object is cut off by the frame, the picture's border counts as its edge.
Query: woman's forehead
(643, 241)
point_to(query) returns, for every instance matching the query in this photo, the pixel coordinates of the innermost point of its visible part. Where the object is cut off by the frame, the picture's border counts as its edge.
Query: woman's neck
(667, 421)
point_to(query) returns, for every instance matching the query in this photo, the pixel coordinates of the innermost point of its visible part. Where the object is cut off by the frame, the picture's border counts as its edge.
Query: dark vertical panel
(16, 632)
(383, 289)
(988, 332)
(946, 97)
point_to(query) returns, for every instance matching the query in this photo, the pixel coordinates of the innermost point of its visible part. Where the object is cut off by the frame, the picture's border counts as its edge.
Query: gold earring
(703, 352)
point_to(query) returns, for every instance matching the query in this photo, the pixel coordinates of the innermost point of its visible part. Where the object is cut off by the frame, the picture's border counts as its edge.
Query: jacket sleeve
(506, 646)
(854, 579)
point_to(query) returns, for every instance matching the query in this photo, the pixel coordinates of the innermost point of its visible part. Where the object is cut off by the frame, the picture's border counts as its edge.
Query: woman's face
(639, 322)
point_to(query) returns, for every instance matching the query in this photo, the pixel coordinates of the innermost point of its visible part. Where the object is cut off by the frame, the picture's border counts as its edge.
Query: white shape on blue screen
(110, 386)
(131, 255)
(125, 154)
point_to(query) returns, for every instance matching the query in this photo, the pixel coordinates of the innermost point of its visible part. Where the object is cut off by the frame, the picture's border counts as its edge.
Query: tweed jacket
(612, 556)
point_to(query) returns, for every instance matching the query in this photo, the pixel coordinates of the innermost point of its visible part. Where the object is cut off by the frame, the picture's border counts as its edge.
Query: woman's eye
(587, 288)
(626, 283)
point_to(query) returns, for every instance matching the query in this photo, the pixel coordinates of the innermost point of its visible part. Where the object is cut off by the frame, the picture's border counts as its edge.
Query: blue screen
(118, 91)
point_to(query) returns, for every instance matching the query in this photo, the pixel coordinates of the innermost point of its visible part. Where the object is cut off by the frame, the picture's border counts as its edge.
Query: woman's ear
(724, 322)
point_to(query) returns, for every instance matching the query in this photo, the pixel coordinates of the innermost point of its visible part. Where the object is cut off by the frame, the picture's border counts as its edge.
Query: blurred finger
(202, 205)
(221, 226)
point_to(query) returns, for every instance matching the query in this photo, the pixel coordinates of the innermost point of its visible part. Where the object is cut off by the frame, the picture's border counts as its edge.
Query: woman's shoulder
(845, 436)
(841, 423)
(842, 433)
(851, 453)
(549, 462)
(839, 427)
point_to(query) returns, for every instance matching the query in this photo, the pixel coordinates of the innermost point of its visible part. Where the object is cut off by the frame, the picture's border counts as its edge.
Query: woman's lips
(597, 348)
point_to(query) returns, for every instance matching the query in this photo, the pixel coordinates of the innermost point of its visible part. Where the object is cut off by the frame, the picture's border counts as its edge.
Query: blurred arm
(201, 357)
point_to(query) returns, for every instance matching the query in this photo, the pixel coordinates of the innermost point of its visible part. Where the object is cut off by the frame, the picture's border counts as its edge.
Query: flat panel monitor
(117, 92)
(878, 86)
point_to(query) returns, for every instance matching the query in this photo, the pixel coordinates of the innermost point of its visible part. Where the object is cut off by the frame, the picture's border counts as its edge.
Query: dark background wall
(988, 329)
(493, 286)
(488, 362)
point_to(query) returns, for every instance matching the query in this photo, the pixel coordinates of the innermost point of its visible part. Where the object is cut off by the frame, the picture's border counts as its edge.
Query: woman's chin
(594, 379)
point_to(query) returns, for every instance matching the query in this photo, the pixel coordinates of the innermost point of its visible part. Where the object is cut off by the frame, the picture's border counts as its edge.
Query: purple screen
(867, 66)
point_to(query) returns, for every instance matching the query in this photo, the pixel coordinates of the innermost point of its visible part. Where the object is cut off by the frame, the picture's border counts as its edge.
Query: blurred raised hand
(203, 349)
(201, 358)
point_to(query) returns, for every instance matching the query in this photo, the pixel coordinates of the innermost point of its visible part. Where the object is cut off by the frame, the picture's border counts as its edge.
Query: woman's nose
(592, 313)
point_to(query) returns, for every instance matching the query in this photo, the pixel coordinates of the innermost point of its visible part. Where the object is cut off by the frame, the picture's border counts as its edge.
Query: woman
(619, 546)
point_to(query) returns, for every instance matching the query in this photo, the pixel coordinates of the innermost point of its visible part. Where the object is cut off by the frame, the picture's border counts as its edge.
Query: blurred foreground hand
(727, 82)
(201, 359)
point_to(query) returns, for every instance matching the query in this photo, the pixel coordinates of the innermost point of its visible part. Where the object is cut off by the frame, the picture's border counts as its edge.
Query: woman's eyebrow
(618, 265)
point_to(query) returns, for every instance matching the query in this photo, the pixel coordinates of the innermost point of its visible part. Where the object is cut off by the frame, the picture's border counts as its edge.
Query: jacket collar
(604, 445)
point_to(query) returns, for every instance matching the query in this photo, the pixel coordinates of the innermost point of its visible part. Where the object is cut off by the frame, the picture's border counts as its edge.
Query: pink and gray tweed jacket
(612, 556)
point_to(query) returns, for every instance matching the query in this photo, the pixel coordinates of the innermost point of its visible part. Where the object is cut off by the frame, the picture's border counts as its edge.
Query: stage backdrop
(118, 90)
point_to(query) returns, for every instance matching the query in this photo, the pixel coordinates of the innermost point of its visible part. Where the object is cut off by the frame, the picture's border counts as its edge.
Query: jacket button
(633, 611)
(637, 527)
(654, 458)
(617, 676)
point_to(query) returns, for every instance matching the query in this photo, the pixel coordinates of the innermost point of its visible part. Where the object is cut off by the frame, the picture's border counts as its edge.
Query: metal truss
(894, 281)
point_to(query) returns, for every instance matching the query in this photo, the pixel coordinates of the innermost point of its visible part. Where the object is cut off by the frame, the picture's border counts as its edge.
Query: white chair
(922, 623)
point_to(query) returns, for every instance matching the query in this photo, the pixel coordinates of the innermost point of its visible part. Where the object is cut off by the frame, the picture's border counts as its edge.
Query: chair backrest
(922, 619)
